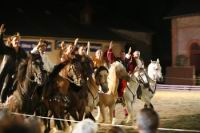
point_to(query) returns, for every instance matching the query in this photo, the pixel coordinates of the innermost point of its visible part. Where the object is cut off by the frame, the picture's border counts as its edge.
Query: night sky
(145, 15)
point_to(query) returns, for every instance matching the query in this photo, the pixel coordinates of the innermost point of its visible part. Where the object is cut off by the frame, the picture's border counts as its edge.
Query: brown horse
(96, 84)
(58, 94)
(30, 75)
(117, 71)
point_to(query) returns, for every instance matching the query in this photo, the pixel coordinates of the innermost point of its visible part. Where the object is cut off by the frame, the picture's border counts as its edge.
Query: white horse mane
(117, 65)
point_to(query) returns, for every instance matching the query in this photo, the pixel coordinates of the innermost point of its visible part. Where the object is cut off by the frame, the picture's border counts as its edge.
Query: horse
(57, 95)
(143, 87)
(116, 71)
(97, 83)
(30, 75)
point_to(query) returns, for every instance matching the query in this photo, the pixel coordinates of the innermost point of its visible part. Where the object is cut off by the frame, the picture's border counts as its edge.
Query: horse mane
(23, 66)
(101, 68)
(57, 69)
(112, 76)
(22, 70)
(116, 65)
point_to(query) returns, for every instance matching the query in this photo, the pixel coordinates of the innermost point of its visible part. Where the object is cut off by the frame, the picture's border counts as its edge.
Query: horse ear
(158, 61)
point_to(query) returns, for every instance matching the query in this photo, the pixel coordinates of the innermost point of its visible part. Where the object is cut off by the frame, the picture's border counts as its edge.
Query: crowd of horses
(66, 92)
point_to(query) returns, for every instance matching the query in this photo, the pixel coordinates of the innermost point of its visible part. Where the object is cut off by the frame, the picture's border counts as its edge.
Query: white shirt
(48, 65)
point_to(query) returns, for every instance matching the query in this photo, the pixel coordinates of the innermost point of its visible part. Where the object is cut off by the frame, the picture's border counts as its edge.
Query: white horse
(117, 71)
(142, 88)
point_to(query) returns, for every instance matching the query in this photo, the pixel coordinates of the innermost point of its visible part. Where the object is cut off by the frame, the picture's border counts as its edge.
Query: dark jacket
(10, 62)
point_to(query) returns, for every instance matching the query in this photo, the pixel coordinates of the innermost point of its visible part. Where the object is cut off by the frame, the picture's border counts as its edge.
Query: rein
(31, 73)
(71, 81)
(30, 79)
(94, 98)
(130, 90)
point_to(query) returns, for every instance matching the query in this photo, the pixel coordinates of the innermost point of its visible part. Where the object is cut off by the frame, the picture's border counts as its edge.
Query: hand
(17, 34)
(62, 44)
(111, 45)
(2, 29)
(39, 43)
(76, 41)
(88, 48)
(88, 45)
(129, 50)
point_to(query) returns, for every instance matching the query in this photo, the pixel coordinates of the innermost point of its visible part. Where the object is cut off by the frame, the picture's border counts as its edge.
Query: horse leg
(98, 114)
(130, 111)
(102, 111)
(57, 114)
(81, 113)
(89, 115)
(58, 123)
(112, 114)
(47, 123)
(68, 118)
(63, 122)
(74, 114)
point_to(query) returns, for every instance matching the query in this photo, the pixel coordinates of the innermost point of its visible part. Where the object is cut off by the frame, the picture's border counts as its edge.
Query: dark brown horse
(61, 90)
(30, 75)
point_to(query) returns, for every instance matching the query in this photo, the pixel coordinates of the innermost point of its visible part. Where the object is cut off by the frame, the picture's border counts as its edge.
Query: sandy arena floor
(177, 109)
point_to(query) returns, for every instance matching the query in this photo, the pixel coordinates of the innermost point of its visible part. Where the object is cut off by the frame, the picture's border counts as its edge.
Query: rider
(69, 51)
(110, 54)
(140, 64)
(15, 54)
(41, 49)
(86, 61)
(98, 59)
(62, 48)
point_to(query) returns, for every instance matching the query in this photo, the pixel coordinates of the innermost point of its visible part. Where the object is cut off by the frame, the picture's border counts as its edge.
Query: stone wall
(180, 75)
(185, 31)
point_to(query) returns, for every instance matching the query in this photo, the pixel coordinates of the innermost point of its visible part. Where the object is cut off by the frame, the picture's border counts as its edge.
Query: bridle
(36, 78)
(72, 78)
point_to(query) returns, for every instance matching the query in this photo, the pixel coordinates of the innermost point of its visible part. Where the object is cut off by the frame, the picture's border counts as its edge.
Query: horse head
(155, 71)
(75, 72)
(101, 75)
(35, 70)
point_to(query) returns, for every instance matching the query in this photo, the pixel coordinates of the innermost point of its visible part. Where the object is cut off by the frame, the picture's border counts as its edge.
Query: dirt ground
(178, 109)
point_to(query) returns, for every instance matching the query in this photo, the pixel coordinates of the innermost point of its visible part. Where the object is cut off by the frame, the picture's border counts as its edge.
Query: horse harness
(94, 97)
(139, 90)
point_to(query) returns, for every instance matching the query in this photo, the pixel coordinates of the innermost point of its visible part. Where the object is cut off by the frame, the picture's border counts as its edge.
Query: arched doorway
(195, 56)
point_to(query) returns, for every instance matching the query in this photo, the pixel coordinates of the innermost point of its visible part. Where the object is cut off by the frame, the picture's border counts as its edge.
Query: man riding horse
(14, 55)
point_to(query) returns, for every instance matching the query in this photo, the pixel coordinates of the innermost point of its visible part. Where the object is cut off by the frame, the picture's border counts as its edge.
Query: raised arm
(76, 41)
(3, 48)
(128, 55)
(35, 49)
(110, 54)
(2, 30)
(88, 48)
